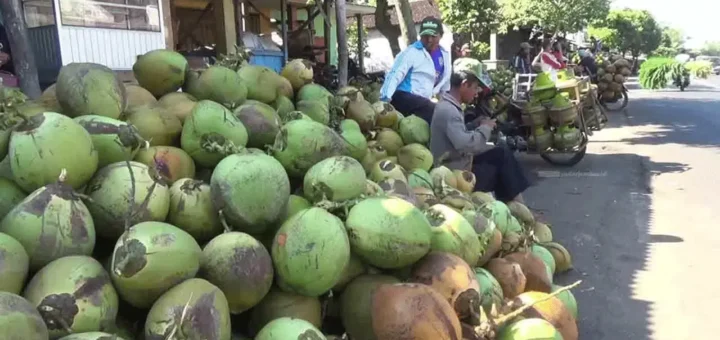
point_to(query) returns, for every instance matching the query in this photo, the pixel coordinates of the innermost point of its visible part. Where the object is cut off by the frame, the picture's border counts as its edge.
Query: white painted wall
(381, 58)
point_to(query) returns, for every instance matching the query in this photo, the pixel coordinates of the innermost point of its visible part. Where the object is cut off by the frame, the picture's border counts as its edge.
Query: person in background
(521, 61)
(587, 61)
(419, 73)
(545, 61)
(465, 51)
(461, 146)
(559, 54)
(6, 63)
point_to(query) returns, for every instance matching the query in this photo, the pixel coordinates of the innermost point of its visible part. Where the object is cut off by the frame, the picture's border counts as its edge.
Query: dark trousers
(497, 171)
(409, 104)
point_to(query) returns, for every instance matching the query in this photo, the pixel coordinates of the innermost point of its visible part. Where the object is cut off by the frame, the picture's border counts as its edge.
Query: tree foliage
(552, 15)
(352, 40)
(630, 31)
(711, 48)
(470, 16)
(671, 42)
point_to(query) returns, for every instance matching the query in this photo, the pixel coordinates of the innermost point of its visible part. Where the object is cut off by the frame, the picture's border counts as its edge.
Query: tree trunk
(22, 54)
(342, 42)
(405, 20)
(383, 24)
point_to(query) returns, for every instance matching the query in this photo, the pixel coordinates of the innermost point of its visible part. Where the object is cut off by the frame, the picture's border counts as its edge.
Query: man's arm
(398, 72)
(464, 140)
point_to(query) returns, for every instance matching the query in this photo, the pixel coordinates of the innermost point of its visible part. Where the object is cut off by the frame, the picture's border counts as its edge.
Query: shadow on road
(600, 210)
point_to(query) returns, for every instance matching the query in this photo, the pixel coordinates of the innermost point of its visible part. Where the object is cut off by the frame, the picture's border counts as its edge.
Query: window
(38, 13)
(136, 15)
(252, 23)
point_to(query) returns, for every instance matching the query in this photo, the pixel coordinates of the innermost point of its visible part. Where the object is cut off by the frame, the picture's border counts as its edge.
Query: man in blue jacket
(420, 72)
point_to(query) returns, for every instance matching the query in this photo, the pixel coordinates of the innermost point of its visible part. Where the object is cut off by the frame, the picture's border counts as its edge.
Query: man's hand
(4, 58)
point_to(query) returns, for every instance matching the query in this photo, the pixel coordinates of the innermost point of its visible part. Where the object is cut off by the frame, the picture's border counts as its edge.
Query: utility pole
(23, 57)
(343, 54)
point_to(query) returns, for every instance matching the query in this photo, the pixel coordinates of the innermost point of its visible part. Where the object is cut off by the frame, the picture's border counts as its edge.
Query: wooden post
(341, 22)
(327, 5)
(168, 10)
(22, 54)
(361, 42)
(284, 29)
(224, 13)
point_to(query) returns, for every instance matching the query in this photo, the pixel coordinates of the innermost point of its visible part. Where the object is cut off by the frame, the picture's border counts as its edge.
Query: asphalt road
(639, 214)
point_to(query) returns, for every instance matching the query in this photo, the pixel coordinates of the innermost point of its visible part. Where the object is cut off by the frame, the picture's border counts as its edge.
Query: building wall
(381, 58)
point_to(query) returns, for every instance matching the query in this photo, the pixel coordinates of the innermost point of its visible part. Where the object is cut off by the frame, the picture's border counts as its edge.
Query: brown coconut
(542, 232)
(509, 275)
(534, 269)
(465, 180)
(619, 78)
(178, 104)
(563, 260)
(552, 310)
(169, 162)
(413, 311)
(521, 212)
(356, 304)
(492, 248)
(138, 96)
(452, 277)
(277, 304)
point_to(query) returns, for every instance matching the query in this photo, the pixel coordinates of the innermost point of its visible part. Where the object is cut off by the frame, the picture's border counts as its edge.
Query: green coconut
(156, 125)
(113, 139)
(16, 264)
(420, 178)
(313, 92)
(50, 223)
(6, 172)
(73, 291)
(354, 268)
(110, 197)
(484, 227)
(415, 156)
(169, 162)
(386, 114)
(530, 329)
(191, 81)
(296, 204)
(289, 328)
(302, 144)
(149, 259)
(568, 299)
(453, 234)
(344, 95)
(302, 266)
(546, 256)
(138, 96)
(388, 232)
(90, 89)
(521, 212)
(354, 139)
(294, 115)
(19, 320)
(10, 195)
(161, 71)
(373, 189)
(386, 169)
(414, 129)
(542, 232)
(92, 336)
(443, 174)
(397, 188)
(261, 122)
(240, 266)
(491, 293)
(179, 104)
(389, 140)
(191, 209)
(319, 111)
(338, 178)
(49, 100)
(212, 132)
(195, 309)
(356, 304)
(251, 174)
(361, 111)
(221, 85)
(299, 72)
(277, 304)
(375, 153)
(283, 105)
(47, 143)
(500, 214)
(262, 83)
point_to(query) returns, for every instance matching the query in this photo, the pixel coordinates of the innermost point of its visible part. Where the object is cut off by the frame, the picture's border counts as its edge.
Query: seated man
(464, 147)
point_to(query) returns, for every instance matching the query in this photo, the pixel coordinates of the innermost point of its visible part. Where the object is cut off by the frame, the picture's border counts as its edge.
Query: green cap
(469, 65)
(431, 26)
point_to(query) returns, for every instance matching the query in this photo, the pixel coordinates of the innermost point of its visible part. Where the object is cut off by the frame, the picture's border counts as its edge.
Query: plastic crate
(271, 59)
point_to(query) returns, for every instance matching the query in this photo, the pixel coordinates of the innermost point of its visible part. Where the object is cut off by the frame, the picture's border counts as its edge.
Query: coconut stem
(63, 175)
(228, 148)
(183, 315)
(505, 318)
(225, 225)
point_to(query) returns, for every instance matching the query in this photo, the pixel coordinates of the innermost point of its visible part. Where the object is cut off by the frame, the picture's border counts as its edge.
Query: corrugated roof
(420, 9)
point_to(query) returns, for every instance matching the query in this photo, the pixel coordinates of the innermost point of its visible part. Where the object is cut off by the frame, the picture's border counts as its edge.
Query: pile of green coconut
(246, 204)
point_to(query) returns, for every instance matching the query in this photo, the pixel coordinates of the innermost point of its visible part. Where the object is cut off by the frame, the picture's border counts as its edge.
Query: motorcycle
(681, 77)
(511, 131)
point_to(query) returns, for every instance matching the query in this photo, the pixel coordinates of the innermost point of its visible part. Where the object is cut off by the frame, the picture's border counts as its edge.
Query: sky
(698, 19)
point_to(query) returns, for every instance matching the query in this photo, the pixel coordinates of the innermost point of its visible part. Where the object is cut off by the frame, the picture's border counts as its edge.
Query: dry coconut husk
(510, 276)
(542, 232)
(452, 277)
(492, 248)
(534, 269)
(521, 212)
(465, 180)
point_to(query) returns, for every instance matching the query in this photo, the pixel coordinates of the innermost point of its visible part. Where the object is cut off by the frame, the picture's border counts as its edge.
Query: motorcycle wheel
(575, 159)
(623, 103)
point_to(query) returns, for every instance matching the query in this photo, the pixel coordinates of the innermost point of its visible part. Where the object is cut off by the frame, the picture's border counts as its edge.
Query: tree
(352, 38)
(630, 31)
(671, 42)
(406, 22)
(711, 48)
(342, 42)
(385, 26)
(22, 53)
(476, 17)
(553, 16)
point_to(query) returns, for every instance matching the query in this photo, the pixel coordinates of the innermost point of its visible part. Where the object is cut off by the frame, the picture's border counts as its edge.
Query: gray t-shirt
(451, 142)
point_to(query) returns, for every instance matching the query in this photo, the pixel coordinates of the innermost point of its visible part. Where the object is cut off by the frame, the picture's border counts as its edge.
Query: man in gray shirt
(461, 146)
